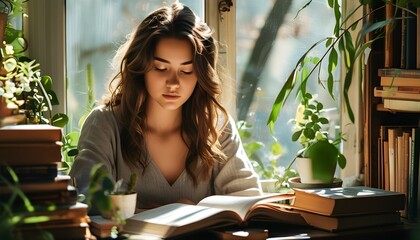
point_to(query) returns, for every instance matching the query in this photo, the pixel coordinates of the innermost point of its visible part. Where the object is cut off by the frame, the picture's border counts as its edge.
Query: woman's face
(172, 79)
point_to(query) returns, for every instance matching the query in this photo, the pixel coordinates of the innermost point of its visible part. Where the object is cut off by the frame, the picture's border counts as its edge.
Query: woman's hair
(200, 113)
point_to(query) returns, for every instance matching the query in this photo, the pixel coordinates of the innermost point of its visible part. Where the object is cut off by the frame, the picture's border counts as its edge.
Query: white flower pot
(304, 166)
(268, 185)
(124, 205)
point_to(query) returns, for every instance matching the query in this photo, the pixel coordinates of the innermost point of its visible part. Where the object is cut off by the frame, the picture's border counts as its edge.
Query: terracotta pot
(305, 168)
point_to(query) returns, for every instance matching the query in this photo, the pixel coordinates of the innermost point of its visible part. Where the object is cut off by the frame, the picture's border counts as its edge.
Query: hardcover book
(60, 183)
(30, 133)
(30, 153)
(31, 173)
(340, 223)
(400, 81)
(348, 200)
(402, 105)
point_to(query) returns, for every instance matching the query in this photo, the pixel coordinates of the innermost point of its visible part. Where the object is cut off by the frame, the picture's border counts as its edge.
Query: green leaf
(254, 146)
(309, 133)
(46, 82)
(73, 152)
(342, 162)
(276, 148)
(323, 120)
(296, 135)
(53, 97)
(319, 106)
(60, 120)
(72, 138)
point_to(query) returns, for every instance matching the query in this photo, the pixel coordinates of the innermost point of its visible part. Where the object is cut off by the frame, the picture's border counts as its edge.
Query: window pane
(94, 30)
(294, 36)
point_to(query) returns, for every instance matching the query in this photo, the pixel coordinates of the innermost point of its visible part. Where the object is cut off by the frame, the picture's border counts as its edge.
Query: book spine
(418, 40)
(389, 39)
(410, 38)
(403, 38)
(413, 177)
(400, 81)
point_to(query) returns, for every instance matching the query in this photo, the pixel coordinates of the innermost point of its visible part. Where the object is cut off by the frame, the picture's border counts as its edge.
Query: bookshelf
(383, 110)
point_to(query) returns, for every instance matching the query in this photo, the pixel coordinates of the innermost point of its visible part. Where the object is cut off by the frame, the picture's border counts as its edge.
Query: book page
(240, 204)
(178, 218)
(177, 214)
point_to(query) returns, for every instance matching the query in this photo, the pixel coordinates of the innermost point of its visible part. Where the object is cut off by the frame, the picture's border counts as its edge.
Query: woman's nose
(172, 80)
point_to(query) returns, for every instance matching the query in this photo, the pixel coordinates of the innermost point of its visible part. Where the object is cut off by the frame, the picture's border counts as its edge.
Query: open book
(212, 212)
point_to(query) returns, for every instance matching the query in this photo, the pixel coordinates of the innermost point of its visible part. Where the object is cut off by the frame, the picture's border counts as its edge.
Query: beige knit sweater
(100, 143)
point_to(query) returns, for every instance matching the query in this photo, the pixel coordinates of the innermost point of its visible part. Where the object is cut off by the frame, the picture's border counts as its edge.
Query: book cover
(348, 200)
(30, 153)
(212, 212)
(30, 133)
(335, 224)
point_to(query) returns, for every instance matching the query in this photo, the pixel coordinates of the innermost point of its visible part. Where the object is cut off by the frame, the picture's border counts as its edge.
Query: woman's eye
(187, 72)
(160, 69)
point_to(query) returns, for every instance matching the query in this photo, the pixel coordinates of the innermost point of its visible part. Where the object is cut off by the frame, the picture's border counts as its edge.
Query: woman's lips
(171, 96)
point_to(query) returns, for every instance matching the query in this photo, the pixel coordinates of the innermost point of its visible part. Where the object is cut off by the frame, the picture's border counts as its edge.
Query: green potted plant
(317, 160)
(114, 200)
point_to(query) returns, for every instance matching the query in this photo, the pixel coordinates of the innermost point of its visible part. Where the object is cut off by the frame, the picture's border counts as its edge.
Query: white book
(402, 105)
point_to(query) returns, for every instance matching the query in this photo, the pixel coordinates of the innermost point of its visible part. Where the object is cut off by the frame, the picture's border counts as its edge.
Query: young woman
(163, 119)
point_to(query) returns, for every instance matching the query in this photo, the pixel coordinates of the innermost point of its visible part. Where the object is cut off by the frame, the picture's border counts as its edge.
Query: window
(280, 43)
(85, 34)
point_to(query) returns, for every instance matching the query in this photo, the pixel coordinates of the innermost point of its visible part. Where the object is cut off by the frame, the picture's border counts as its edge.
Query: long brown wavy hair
(200, 113)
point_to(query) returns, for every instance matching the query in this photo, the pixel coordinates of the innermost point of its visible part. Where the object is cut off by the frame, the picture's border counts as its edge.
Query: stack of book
(398, 163)
(399, 89)
(337, 209)
(30, 156)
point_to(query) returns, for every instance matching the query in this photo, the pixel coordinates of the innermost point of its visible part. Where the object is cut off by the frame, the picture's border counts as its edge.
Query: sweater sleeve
(98, 143)
(236, 176)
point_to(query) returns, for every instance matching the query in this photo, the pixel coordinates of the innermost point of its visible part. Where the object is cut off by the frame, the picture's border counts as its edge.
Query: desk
(406, 230)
